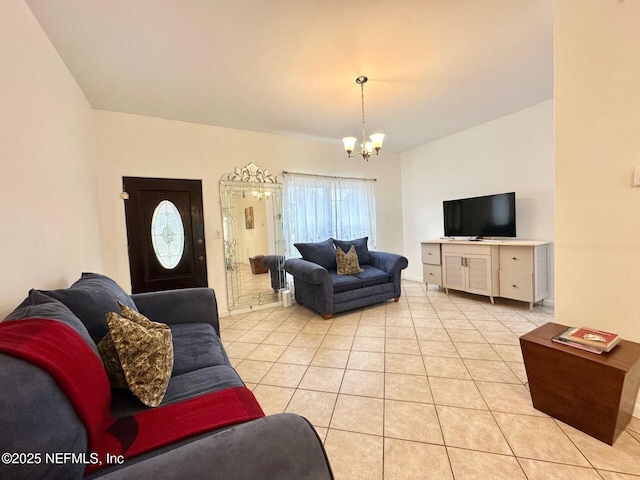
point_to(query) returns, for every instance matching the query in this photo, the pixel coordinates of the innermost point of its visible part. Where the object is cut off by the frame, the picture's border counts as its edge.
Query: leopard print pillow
(348, 262)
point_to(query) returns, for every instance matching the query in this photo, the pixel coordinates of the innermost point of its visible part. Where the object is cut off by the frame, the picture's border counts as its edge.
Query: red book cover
(590, 336)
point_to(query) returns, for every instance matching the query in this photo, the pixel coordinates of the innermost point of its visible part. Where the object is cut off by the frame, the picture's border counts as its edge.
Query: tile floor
(431, 387)
(253, 289)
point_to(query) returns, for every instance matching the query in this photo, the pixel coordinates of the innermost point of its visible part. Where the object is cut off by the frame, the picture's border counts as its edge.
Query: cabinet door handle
(515, 258)
(514, 286)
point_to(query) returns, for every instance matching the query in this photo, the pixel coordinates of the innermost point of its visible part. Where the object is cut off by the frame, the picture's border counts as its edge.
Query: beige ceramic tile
(231, 335)
(407, 364)
(267, 353)
(284, 375)
(366, 384)
(308, 340)
(317, 407)
(348, 329)
(456, 393)
(354, 456)
(254, 336)
(253, 371)
(358, 414)
(280, 338)
(622, 457)
(337, 342)
(404, 322)
(400, 332)
(404, 460)
(485, 370)
(273, 399)
(476, 351)
(402, 345)
(314, 328)
(412, 388)
(470, 464)
(369, 344)
(432, 334)
(501, 338)
(537, 470)
(508, 398)
(519, 371)
(370, 331)
(412, 421)
(509, 353)
(240, 349)
(465, 336)
(549, 443)
(616, 476)
(472, 429)
(446, 367)
(298, 355)
(372, 361)
(322, 379)
(325, 357)
(438, 349)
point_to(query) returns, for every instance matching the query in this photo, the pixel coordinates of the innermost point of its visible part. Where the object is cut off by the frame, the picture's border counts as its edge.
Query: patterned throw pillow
(348, 262)
(138, 354)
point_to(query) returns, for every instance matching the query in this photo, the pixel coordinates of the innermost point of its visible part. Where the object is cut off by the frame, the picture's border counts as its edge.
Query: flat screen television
(486, 216)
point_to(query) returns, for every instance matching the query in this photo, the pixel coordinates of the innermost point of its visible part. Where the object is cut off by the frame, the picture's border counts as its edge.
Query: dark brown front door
(165, 233)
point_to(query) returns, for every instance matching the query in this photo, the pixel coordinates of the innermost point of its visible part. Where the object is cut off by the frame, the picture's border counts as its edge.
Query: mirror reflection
(251, 202)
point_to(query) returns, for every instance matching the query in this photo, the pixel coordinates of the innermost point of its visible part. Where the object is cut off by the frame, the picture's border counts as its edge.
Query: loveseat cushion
(195, 346)
(373, 276)
(362, 248)
(369, 277)
(38, 305)
(91, 298)
(322, 253)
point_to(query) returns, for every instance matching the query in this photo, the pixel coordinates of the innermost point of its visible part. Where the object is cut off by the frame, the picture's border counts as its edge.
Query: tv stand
(515, 269)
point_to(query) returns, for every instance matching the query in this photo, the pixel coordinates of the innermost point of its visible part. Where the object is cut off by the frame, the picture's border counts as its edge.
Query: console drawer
(431, 253)
(516, 285)
(432, 274)
(516, 259)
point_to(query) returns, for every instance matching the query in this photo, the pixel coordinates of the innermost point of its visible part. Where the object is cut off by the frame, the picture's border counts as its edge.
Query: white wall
(132, 145)
(511, 153)
(51, 230)
(597, 79)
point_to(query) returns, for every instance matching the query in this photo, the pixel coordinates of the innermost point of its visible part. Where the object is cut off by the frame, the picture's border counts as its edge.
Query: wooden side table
(593, 393)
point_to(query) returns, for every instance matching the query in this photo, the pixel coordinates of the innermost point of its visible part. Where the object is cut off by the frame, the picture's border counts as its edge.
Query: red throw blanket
(59, 350)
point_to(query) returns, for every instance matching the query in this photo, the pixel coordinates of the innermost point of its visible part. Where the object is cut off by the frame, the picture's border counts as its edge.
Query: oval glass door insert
(167, 234)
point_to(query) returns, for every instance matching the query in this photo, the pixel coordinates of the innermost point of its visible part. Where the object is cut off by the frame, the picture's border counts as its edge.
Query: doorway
(165, 234)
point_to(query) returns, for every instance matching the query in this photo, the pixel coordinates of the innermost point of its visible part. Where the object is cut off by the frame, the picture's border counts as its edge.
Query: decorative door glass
(167, 234)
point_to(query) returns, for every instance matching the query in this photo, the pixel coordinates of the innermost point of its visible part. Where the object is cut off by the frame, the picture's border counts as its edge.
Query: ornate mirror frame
(253, 182)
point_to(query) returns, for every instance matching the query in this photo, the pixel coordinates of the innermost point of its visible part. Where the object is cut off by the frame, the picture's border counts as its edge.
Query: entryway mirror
(251, 203)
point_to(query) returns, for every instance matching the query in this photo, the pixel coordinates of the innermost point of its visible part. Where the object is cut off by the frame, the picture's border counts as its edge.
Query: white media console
(516, 269)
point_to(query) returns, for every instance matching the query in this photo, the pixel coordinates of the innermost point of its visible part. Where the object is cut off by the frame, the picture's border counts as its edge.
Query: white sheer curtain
(316, 208)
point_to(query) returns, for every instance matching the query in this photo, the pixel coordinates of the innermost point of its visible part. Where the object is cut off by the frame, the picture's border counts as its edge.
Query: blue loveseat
(318, 286)
(44, 435)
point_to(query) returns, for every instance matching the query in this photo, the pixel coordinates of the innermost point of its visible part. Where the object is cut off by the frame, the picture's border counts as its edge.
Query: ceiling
(289, 66)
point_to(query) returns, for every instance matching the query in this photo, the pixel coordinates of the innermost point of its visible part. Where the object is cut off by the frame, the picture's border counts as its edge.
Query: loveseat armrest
(308, 271)
(283, 446)
(187, 305)
(392, 264)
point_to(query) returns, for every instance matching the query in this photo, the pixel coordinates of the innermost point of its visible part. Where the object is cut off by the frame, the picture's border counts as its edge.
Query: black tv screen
(487, 216)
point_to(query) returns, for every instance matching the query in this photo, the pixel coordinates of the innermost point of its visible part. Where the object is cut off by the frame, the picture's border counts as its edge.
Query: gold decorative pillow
(146, 356)
(348, 262)
(156, 335)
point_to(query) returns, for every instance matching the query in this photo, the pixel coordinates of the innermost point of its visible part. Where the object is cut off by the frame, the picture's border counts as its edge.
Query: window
(316, 208)
(167, 234)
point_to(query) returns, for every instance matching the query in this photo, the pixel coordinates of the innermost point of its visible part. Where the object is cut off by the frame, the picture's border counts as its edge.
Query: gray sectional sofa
(39, 423)
(319, 287)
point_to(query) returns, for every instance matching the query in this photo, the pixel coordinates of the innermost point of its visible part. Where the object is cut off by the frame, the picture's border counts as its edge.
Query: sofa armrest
(283, 447)
(187, 305)
(308, 271)
(391, 263)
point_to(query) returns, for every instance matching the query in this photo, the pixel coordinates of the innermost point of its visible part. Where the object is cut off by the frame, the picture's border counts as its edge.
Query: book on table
(588, 339)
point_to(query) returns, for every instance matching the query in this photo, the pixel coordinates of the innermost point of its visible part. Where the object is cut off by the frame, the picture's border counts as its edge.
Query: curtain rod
(329, 176)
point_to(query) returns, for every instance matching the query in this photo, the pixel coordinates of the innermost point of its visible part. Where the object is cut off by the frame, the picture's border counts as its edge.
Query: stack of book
(588, 339)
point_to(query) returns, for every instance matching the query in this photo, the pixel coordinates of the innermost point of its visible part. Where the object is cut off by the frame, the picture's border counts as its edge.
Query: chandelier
(366, 148)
